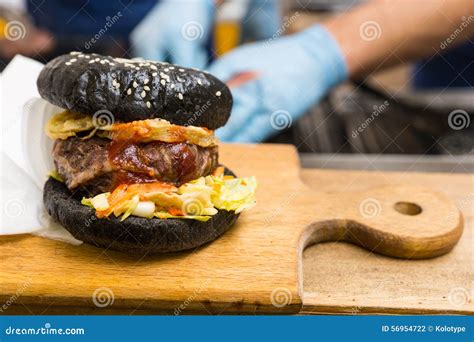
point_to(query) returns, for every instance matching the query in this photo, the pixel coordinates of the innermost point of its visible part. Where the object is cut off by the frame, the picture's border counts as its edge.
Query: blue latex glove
(295, 72)
(177, 31)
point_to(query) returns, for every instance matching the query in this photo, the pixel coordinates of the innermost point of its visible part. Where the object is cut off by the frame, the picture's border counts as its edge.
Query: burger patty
(99, 165)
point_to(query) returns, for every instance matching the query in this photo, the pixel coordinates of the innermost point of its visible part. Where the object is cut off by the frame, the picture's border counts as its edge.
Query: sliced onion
(100, 202)
(144, 209)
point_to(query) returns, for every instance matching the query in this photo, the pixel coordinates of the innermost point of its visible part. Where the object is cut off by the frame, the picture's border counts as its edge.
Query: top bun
(135, 90)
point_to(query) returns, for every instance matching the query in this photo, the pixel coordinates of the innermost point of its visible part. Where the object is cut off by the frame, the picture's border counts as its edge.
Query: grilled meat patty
(99, 165)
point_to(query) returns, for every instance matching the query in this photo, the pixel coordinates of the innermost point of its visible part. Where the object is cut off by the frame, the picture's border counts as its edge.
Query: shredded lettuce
(235, 194)
(197, 200)
(87, 202)
(129, 207)
(165, 215)
(55, 175)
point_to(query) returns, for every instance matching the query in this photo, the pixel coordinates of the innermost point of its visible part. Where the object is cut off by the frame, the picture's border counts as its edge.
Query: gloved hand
(175, 30)
(293, 73)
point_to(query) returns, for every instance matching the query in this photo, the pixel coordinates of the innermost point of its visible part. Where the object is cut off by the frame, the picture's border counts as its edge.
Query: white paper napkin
(25, 154)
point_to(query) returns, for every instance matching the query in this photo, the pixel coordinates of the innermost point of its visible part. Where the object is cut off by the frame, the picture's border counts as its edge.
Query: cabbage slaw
(199, 199)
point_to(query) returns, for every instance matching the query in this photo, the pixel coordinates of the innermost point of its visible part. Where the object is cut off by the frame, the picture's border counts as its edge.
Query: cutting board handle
(399, 221)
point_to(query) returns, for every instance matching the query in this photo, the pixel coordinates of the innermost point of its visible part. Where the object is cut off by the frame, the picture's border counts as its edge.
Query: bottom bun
(135, 235)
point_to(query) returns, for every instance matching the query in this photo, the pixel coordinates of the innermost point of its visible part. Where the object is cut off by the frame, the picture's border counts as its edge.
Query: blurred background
(407, 123)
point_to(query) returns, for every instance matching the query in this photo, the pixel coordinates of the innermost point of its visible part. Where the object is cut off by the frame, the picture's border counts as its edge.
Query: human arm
(296, 71)
(383, 33)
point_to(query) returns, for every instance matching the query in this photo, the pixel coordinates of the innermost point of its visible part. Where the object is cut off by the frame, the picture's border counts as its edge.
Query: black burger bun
(134, 235)
(135, 90)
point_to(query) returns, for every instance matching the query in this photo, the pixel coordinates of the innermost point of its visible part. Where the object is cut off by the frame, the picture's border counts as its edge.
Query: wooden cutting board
(254, 268)
(343, 278)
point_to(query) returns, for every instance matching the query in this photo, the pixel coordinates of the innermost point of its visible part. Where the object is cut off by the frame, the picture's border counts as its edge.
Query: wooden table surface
(342, 278)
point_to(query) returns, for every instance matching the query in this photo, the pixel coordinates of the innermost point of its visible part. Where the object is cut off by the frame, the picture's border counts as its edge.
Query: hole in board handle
(408, 208)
